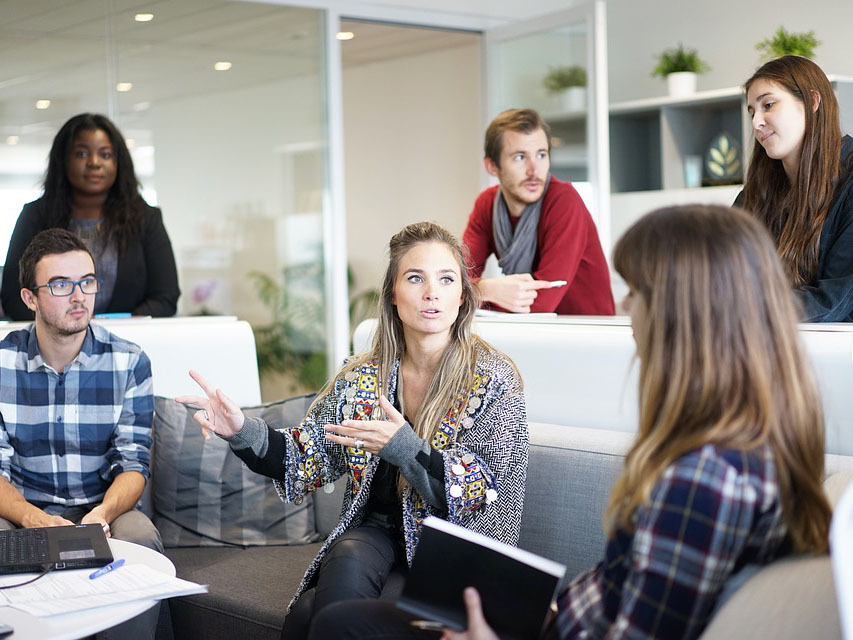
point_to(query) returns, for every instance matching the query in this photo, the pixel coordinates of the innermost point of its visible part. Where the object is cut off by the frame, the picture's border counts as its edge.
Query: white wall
(723, 31)
(412, 145)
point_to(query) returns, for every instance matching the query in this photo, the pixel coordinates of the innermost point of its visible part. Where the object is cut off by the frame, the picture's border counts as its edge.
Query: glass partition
(224, 106)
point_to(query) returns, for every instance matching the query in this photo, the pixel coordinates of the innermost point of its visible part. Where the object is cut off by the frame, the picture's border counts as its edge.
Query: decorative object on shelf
(723, 161)
(569, 83)
(785, 43)
(692, 171)
(680, 67)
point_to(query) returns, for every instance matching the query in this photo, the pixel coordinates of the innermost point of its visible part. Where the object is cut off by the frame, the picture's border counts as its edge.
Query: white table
(71, 626)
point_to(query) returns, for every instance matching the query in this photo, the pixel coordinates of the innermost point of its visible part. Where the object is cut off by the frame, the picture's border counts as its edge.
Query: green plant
(679, 59)
(295, 342)
(785, 43)
(561, 78)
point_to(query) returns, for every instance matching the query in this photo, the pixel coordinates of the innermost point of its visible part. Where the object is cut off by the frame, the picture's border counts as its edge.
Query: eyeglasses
(63, 288)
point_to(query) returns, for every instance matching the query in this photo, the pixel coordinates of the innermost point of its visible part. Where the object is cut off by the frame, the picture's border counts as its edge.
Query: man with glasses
(76, 404)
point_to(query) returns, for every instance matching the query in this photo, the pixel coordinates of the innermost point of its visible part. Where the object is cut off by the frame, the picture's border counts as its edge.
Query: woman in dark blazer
(91, 188)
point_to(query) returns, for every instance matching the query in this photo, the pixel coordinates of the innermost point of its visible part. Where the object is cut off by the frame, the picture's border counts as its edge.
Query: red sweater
(568, 249)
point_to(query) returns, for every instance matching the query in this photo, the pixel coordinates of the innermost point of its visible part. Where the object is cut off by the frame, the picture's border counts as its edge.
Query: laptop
(70, 547)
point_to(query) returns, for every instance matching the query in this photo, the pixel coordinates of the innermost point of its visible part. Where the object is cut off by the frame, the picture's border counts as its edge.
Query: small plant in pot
(569, 83)
(785, 43)
(680, 67)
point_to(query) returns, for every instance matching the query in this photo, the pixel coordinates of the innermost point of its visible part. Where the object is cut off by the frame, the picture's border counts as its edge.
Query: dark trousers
(356, 567)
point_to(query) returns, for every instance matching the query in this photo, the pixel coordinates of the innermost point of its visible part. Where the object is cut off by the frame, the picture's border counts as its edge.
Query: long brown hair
(720, 360)
(795, 212)
(454, 375)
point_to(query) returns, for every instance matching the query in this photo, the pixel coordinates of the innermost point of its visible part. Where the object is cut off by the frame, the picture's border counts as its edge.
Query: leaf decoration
(722, 160)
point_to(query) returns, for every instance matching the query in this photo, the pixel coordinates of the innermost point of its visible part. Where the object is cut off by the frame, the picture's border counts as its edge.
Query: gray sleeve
(254, 435)
(419, 463)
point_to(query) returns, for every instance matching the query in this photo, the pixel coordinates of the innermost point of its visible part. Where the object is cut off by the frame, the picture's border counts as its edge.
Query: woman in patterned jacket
(430, 421)
(726, 469)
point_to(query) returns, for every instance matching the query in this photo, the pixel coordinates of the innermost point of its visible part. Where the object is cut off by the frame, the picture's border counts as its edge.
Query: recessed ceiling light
(124, 86)
(345, 35)
(42, 104)
(130, 142)
(144, 17)
(222, 65)
(13, 140)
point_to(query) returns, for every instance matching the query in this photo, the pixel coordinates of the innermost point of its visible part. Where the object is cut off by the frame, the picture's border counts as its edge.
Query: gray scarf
(516, 250)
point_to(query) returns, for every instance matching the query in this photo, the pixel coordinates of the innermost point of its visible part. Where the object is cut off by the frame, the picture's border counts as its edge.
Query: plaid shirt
(64, 437)
(712, 511)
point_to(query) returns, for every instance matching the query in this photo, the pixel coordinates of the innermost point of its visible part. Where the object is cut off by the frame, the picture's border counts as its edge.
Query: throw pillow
(204, 495)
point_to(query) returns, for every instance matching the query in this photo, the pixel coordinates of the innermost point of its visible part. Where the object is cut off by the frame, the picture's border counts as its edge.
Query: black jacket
(830, 297)
(146, 281)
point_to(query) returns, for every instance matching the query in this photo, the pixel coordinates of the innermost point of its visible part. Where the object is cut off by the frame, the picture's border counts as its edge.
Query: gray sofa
(571, 471)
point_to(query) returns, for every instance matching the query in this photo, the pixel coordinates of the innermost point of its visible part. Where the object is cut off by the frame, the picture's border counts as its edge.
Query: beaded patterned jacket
(483, 440)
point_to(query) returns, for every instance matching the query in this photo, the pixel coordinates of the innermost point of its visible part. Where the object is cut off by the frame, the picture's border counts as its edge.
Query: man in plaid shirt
(76, 405)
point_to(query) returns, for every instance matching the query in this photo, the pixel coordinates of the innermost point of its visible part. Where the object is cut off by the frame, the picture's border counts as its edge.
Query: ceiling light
(144, 17)
(222, 65)
(124, 86)
(42, 104)
(345, 35)
(130, 142)
(12, 140)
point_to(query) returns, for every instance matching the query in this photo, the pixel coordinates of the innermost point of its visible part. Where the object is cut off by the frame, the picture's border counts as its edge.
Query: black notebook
(70, 547)
(516, 586)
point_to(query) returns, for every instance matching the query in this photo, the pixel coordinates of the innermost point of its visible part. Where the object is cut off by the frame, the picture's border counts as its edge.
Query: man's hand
(97, 516)
(514, 293)
(478, 628)
(38, 518)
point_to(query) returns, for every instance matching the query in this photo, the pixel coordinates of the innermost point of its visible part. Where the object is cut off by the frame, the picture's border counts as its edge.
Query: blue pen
(106, 569)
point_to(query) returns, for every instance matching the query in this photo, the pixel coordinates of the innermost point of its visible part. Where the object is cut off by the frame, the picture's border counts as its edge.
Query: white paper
(69, 591)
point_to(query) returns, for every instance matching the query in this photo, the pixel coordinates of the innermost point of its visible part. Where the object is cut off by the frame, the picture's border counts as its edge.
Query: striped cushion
(205, 496)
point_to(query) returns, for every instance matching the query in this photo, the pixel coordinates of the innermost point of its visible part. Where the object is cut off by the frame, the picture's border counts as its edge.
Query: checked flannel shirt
(713, 511)
(64, 437)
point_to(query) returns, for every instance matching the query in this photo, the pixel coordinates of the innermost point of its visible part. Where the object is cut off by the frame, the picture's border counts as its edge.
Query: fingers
(474, 608)
(203, 383)
(198, 401)
(540, 284)
(227, 403)
(390, 411)
(202, 417)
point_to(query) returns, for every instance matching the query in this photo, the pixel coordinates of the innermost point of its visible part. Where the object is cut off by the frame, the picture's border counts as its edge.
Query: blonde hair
(720, 360)
(453, 377)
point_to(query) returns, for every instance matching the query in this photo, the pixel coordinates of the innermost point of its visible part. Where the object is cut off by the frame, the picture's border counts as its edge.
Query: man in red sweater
(537, 226)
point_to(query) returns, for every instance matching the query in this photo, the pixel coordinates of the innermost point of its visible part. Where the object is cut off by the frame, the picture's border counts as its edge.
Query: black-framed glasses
(61, 288)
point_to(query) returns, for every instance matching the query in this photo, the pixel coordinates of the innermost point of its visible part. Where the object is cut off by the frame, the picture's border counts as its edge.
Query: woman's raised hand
(370, 435)
(218, 413)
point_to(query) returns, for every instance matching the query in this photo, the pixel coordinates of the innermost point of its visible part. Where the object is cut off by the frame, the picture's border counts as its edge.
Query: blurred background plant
(788, 43)
(560, 78)
(293, 346)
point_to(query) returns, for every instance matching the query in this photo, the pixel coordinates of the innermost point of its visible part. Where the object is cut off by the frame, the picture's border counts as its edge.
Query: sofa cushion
(249, 590)
(204, 495)
(789, 598)
(569, 476)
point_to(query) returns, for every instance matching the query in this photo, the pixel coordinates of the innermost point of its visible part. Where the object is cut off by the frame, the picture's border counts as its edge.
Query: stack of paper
(69, 591)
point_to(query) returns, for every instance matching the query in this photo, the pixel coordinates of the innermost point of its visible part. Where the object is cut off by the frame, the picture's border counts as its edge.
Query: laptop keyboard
(23, 546)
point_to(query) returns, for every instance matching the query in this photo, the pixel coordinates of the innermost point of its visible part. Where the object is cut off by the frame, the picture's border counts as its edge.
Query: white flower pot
(681, 83)
(573, 99)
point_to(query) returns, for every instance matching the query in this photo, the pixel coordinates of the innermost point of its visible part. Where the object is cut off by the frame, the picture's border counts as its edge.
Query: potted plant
(785, 43)
(569, 83)
(680, 67)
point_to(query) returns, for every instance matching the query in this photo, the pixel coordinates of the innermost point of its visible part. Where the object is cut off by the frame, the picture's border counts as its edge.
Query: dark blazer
(146, 281)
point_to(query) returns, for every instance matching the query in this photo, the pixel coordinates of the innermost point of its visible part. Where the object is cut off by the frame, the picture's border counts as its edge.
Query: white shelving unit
(650, 139)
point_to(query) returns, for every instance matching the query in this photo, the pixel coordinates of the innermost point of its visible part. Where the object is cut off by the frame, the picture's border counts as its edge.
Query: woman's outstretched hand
(478, 628)
(370, 435)
(218, 413)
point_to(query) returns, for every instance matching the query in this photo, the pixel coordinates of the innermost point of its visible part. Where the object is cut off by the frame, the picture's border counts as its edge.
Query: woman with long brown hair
(800, 183)
(430, 421)
(727, 465)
